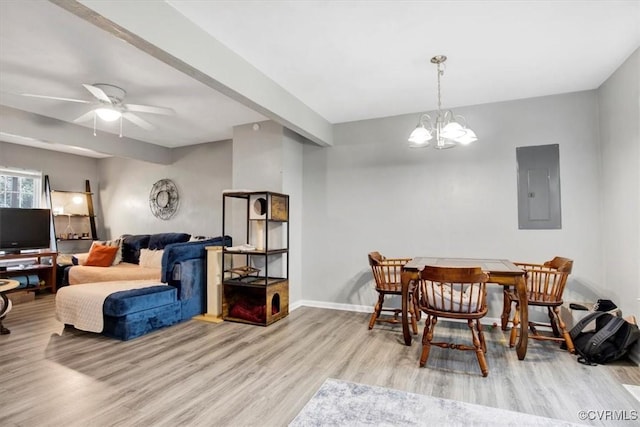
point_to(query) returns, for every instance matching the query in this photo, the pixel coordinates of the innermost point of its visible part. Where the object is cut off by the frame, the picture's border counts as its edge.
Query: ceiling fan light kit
(108, 114)
(448, 128)
(111, 107)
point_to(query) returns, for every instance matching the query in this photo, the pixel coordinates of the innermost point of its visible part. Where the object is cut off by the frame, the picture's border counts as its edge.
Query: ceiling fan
(109, 106)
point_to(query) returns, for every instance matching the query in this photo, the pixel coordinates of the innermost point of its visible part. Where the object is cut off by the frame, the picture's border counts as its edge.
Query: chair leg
(552, 321)
(416, 307)
(483, 343)
(414, 322)
(427, 336)
(514, 326)
(376, 311)
(414, 325)
(3, 330)
(563, 330)
(506, 309)
(482, 361)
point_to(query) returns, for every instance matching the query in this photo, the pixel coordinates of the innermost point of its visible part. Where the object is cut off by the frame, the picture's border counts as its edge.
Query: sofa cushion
(134, 300)
(137, 324)
(151, 258)
(131, 245)
(79, 274)
(115, 242)
(101, 255)
(160, 240)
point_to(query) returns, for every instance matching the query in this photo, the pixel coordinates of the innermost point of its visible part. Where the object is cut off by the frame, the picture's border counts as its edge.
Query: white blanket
(81, 305)
(447, 298)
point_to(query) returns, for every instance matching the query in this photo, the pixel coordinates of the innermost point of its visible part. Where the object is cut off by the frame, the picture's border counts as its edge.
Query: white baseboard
(331, 306)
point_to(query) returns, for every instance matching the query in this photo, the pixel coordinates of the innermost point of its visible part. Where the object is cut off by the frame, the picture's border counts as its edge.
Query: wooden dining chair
(453, 293)
(545, 287)
(386, 272)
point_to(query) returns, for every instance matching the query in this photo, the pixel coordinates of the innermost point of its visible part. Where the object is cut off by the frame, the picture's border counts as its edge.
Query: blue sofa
(133, 313)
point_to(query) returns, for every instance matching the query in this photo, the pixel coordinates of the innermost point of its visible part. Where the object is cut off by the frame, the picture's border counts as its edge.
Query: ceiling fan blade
(138, 121)
(97, 92)
(58, 98)
(150, 109)
(86, 116)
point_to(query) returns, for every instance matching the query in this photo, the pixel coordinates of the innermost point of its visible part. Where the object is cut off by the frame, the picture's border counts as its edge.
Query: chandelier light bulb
(453, 130)
(468, 137)
(420, 137)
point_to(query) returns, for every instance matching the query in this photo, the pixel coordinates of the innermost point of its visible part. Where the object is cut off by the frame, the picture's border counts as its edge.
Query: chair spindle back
(453, 290)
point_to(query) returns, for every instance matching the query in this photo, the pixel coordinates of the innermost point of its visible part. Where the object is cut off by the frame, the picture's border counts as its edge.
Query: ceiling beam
(159, 30)
(49, 130)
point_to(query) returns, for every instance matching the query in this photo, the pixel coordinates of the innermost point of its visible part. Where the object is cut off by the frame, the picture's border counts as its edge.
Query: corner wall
(619, 102)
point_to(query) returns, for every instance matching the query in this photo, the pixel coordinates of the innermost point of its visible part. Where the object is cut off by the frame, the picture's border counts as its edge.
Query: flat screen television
(22, 229)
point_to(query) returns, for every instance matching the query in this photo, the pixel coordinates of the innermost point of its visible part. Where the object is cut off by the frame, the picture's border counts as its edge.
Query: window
(20, 188)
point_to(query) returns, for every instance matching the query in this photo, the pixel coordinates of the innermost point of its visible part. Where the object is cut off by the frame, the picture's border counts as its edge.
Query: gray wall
(66, 172)
(270, 158)
(292, 179)
(200, 172)
(619, 102)
(370, 192)
(121, 186)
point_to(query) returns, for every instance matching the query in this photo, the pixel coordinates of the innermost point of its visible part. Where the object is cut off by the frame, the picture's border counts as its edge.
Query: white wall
(370, 192)
(200, 173)
(619, 101)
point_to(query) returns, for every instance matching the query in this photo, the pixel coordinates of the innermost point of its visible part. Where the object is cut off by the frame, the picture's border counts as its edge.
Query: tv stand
(45, 269)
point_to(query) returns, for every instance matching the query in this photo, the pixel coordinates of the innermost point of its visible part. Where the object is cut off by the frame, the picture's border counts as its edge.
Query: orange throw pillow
(101, 255)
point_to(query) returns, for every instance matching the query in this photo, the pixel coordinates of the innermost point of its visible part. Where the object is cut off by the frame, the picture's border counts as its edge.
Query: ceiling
(346, 60)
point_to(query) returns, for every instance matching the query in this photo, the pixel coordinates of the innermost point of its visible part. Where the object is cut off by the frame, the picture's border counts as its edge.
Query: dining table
(501, 271)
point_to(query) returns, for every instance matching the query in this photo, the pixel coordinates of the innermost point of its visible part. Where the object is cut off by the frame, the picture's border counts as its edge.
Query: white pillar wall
(268, 157)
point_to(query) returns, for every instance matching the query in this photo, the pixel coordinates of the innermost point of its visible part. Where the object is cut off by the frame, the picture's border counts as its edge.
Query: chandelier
(448, 129)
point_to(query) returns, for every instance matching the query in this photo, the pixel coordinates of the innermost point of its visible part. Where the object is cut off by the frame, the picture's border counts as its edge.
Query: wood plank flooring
(231, 374)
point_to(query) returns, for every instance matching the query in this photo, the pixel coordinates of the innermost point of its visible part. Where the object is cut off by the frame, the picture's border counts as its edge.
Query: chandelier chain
(439, 102)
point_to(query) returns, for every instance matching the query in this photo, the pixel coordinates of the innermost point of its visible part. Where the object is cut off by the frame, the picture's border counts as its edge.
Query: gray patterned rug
(342, 403)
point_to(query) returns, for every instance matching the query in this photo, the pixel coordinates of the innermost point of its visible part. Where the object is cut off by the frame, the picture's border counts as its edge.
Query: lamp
(448, 129)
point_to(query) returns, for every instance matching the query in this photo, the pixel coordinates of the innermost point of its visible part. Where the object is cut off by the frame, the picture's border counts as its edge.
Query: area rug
(633, 389)
(342, 403)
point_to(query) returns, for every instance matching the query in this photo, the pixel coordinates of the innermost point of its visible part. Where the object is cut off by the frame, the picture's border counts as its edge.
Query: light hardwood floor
(231, 374)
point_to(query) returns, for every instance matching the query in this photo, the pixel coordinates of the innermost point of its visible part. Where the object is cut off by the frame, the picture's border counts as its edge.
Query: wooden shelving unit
(256, 286)
(44, 268)
(74, 221)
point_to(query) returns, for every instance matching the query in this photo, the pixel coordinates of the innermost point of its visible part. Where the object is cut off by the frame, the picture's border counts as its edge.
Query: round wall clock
(164, 199)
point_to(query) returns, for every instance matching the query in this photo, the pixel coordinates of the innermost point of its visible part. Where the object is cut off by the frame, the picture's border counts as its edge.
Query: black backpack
(612, 338)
